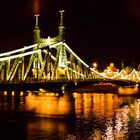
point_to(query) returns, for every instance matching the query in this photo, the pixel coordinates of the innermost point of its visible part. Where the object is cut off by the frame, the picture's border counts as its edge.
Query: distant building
(111, 70)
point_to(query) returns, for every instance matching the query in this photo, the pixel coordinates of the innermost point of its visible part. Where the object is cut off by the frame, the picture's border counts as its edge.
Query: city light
(95, 65)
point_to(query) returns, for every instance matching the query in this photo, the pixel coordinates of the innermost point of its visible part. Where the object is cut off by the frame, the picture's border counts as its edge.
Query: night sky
(102, 31)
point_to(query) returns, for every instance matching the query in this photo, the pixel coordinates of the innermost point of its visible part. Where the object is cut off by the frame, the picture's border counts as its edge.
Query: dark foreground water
(98, 116)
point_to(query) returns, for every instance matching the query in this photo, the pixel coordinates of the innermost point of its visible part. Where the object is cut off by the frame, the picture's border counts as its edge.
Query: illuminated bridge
(51, 60)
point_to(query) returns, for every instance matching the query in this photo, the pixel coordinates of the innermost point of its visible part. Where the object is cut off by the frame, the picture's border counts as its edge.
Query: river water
(98, 116)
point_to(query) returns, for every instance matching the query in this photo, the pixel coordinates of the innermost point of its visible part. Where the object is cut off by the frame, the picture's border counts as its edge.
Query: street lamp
(94, 65)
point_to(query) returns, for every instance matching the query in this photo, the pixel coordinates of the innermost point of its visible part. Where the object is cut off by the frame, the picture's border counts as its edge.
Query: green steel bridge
(51, 60)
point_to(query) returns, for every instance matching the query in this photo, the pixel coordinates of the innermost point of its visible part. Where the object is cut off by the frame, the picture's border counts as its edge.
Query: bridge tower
(61, 27)
(36, 31)
(55, 69)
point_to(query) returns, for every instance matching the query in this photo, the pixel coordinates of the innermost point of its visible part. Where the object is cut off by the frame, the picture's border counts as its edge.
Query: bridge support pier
(50, 105)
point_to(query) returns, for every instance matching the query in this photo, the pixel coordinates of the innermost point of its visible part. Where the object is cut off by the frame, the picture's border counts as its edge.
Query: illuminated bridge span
(51, 59)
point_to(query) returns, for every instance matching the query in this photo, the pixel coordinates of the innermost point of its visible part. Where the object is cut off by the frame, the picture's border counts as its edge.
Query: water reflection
(98, 116)
(48, 129)
(97, 105)
(106, 116)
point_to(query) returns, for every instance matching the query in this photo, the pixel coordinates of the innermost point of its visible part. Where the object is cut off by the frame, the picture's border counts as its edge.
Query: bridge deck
(56, 86)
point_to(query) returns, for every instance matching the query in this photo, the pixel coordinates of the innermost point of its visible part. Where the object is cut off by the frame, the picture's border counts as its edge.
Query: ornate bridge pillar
(36, 31)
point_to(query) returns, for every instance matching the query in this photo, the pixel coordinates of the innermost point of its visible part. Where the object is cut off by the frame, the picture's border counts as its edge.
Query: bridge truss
(44, 62)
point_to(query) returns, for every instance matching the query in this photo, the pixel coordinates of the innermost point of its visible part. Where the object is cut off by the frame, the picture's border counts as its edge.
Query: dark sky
(104, 31)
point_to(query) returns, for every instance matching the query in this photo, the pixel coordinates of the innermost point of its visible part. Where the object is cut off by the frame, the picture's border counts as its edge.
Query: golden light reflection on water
(112, 111)
(89, 103)
(137, 109)
(50, 129)
(99, 116)
(12, 100)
